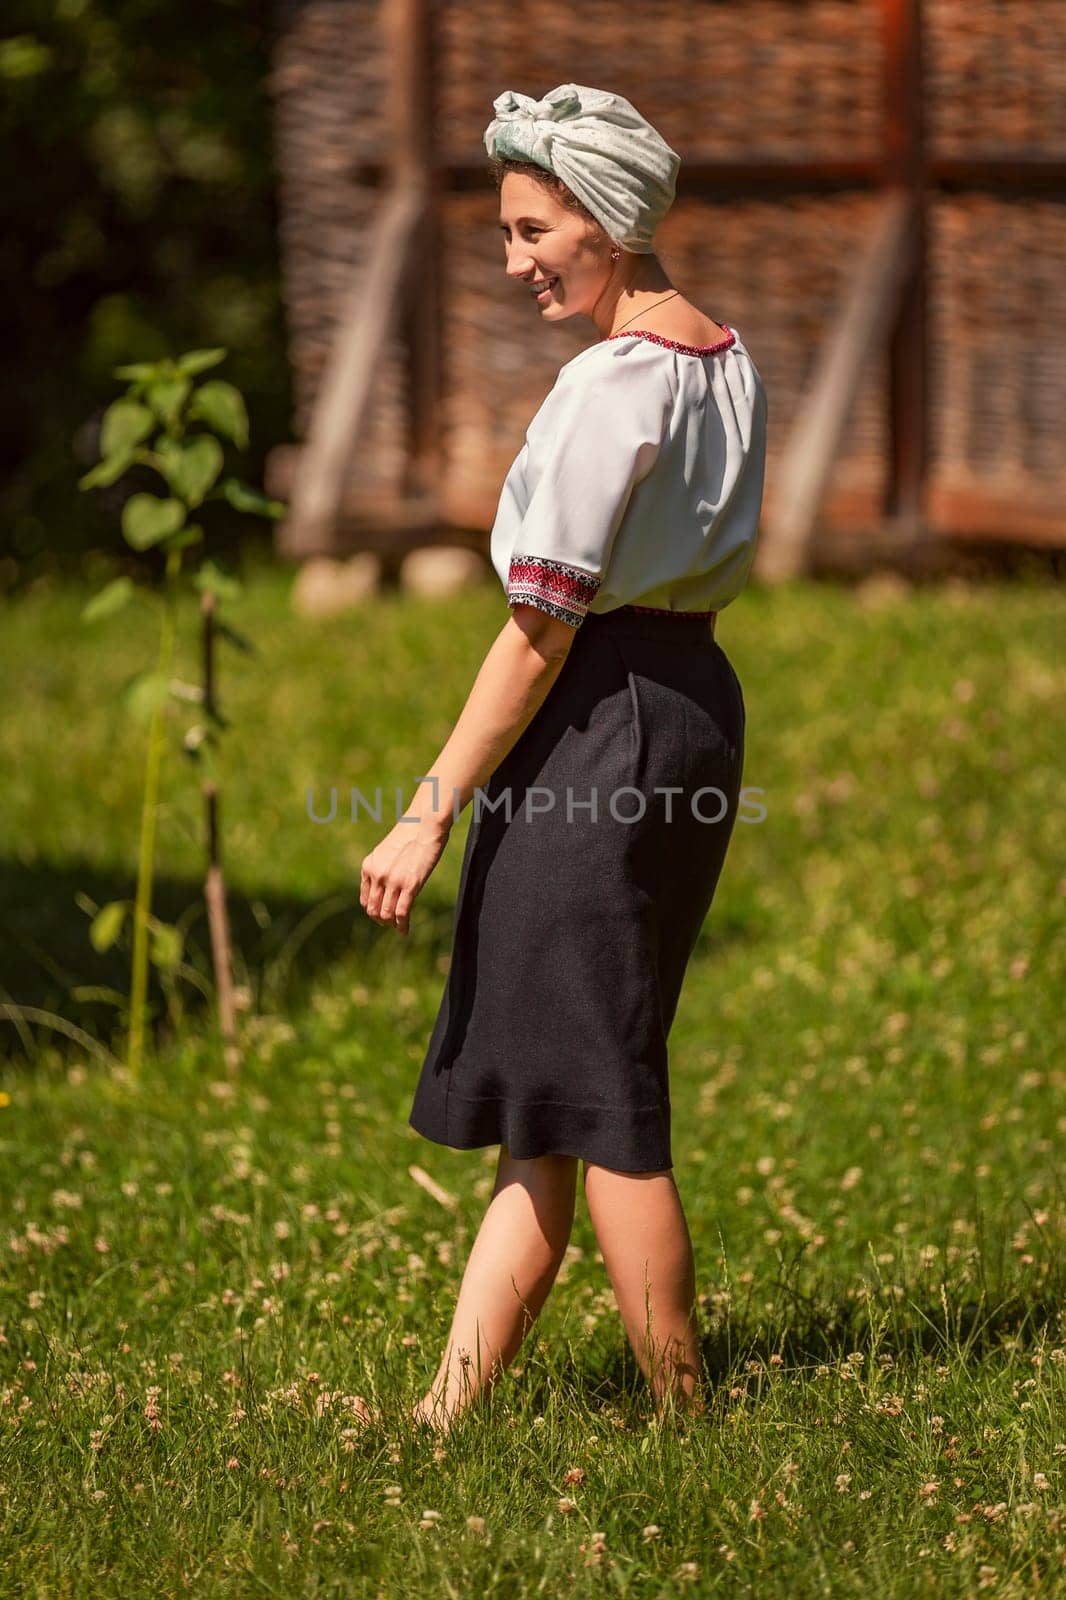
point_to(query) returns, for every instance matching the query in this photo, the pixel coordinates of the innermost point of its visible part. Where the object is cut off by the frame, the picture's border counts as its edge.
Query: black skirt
(577, 912)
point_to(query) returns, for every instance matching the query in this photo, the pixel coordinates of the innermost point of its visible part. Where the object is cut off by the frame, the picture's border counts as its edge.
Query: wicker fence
(779, 112)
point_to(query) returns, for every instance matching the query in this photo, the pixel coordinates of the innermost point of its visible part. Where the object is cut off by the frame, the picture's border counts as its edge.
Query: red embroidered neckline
(674, 344)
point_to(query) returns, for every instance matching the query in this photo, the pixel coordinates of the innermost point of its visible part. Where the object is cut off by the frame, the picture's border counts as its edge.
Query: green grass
(197, 1268)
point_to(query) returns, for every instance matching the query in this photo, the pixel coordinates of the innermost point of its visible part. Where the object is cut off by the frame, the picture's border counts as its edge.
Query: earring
(615, 254)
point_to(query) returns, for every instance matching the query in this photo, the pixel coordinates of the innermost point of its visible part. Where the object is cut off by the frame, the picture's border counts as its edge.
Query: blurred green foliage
(139, 217)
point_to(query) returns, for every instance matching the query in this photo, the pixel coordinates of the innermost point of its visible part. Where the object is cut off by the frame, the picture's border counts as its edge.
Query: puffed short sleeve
(597, 435)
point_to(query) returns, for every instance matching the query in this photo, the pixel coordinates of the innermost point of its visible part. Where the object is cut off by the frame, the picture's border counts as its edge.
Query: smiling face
(546, 242)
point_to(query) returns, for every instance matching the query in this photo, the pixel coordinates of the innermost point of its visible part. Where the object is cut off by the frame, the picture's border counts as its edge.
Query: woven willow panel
(998, 332)
(329, 100)
(995, 73)
(727, 78)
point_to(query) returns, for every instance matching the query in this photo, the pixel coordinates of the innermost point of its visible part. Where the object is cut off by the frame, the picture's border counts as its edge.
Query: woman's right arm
(512, 684)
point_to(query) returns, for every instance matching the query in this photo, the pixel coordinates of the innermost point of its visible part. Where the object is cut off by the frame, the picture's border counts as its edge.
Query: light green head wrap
(598, 143)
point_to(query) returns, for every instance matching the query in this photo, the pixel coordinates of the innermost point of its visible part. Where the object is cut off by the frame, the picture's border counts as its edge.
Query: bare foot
(681, 1406)
(429, 1414)
(423, 1414)
(361, 1411)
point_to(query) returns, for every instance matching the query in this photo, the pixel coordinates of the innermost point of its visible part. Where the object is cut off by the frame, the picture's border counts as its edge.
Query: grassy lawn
(198, 1268)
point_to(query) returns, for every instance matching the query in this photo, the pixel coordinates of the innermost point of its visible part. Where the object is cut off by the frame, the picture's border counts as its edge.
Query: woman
(604, 736)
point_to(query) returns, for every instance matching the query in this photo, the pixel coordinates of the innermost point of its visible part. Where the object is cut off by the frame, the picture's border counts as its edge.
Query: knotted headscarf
(598, 143)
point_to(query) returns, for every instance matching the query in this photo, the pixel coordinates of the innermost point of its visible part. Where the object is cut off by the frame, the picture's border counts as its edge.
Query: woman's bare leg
(512, 1265)
(647, 1250)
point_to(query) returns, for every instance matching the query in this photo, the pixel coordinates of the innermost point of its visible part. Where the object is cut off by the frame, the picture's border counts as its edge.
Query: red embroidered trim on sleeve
(552, 586)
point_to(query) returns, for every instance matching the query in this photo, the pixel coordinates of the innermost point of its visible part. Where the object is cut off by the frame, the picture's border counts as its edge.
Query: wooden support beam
(381, 298)
(807, 462)
(411, 27)
(993, 515)
(990, 167)
(908, 448)
(1021, 171)
(344, 393)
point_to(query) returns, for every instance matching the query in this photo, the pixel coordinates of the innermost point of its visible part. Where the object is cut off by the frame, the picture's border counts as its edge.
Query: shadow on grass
(282, 944)
(826, 1333)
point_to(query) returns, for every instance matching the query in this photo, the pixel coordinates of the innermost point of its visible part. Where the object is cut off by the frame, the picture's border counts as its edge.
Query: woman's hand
(395, 870)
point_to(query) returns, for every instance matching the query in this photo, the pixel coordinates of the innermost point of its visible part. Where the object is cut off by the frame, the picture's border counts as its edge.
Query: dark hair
(501, 165)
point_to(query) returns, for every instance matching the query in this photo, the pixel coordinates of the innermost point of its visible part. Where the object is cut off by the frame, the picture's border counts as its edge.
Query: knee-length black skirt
(590, 865)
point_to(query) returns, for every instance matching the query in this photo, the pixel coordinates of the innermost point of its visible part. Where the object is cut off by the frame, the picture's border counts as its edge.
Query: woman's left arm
(511, 685)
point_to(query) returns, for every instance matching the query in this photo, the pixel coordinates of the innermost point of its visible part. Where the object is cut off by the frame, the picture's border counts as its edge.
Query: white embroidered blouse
(640, 481)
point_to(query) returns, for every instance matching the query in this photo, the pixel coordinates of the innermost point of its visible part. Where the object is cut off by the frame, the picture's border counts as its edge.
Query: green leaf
(166, 396)
(146, 519)
(110, 599)
(145, 694)
(194, 361)
(222, 407)
(138, 371)
(190, 535)
(99, 991)
(125, 425)
(107, 925)
(105, 472)
(168, 454)
(242, 497)
(191, 467)
(164, 944)
(217, 581)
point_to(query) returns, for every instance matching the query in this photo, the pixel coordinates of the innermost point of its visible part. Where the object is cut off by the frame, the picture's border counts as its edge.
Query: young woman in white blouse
(626, 522)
